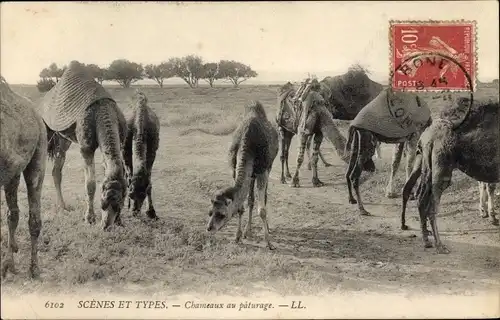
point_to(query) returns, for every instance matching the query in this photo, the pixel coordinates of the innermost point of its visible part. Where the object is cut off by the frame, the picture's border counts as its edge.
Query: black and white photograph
(250, 160)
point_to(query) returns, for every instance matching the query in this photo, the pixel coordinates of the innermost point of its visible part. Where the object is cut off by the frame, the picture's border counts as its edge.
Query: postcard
(250, 160)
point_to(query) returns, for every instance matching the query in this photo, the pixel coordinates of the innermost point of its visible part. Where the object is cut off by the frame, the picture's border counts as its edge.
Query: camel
(345, 95)
(251, 155)
(392, 117)
(315, 120)
(469, 143)
(288, 128)
(79, 110)
(141, 145)
(23, 151)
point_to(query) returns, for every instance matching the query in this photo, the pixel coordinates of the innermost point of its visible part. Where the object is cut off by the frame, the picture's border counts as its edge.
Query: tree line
(190, 68)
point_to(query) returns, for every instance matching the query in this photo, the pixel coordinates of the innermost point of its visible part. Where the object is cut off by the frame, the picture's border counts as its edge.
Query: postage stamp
(433, 55)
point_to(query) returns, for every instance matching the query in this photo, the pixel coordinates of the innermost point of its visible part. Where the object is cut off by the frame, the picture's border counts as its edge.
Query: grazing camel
(469, 143)
(392, 117)
(23, 151)
(251, 155)
(79, 110)
(141, 145)
(345, 95)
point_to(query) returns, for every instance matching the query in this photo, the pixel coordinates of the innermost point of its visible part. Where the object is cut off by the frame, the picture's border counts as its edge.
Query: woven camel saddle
(393, 114)
(70, 97)
(294, 107)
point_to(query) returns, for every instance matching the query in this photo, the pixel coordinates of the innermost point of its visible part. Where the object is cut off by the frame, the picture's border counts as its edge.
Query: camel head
(113, 195)
(138, 186)
(223, 209)
(140, 98)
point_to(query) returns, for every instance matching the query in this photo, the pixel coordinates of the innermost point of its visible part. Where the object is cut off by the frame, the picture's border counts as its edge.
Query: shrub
(45, 84)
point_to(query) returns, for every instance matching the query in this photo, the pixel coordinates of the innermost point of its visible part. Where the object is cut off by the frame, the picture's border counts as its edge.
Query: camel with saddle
(342, 97)
(79, 110)
(393, 117)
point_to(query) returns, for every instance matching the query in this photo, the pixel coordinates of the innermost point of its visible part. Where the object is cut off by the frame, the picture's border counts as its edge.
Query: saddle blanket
(68, 99)
(393, 114)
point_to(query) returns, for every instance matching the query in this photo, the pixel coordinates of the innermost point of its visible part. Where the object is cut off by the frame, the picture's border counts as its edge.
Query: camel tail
(410, 184)
(350, 136)
(53, 143)
(348, 145)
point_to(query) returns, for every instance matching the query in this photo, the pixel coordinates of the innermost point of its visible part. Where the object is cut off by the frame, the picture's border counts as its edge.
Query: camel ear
(228, 201)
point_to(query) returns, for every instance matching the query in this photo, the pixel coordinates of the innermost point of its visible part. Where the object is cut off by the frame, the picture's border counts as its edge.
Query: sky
(280, 40)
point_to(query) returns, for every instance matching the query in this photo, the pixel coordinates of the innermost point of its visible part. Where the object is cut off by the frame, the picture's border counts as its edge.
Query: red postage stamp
(433, 55)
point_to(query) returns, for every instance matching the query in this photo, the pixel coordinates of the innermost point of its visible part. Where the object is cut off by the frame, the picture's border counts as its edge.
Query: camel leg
(90, 184)
(353, 163)
(318, 138)
(490, 189)
(34, 175)
(151, 212)
(288, 144)
(411, 154)
(397, 153)
(300, 159)
(251, 201)
(378, 151)
(262, 181)
(308, 151)
(282, 157)
(355, 176)
(285, 144)
(483, 209)
(441, 179)
(238, 231)
(58, 165)
(12, 220)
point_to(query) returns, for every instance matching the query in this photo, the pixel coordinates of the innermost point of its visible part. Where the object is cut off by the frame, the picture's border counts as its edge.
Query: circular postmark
(455, 115)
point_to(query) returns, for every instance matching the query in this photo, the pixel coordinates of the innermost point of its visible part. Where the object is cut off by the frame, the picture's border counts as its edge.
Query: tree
(236, 72)
(55, 71)
(160, 72)
(96, 72)
(211, 73)
(45, 73)
(124, 72)
(188, 68)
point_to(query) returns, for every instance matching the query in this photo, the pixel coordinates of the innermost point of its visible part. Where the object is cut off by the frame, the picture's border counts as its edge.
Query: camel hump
(21, 128)
(140, 98)
(255, 108)
(75, 91)
(393, 114)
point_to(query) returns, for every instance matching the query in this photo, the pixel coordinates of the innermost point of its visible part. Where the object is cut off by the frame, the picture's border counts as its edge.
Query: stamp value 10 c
(433, 55)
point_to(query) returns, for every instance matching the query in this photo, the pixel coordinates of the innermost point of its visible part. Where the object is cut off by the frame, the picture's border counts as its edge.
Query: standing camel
(345, 95)
(141, 145)
(315, 120)
(469, 143)
(392, 117)
(251, 155)
(79, 110)
(23, 150)
(287, 125)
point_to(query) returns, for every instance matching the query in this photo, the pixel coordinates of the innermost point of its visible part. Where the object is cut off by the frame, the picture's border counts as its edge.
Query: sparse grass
(323, 244)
